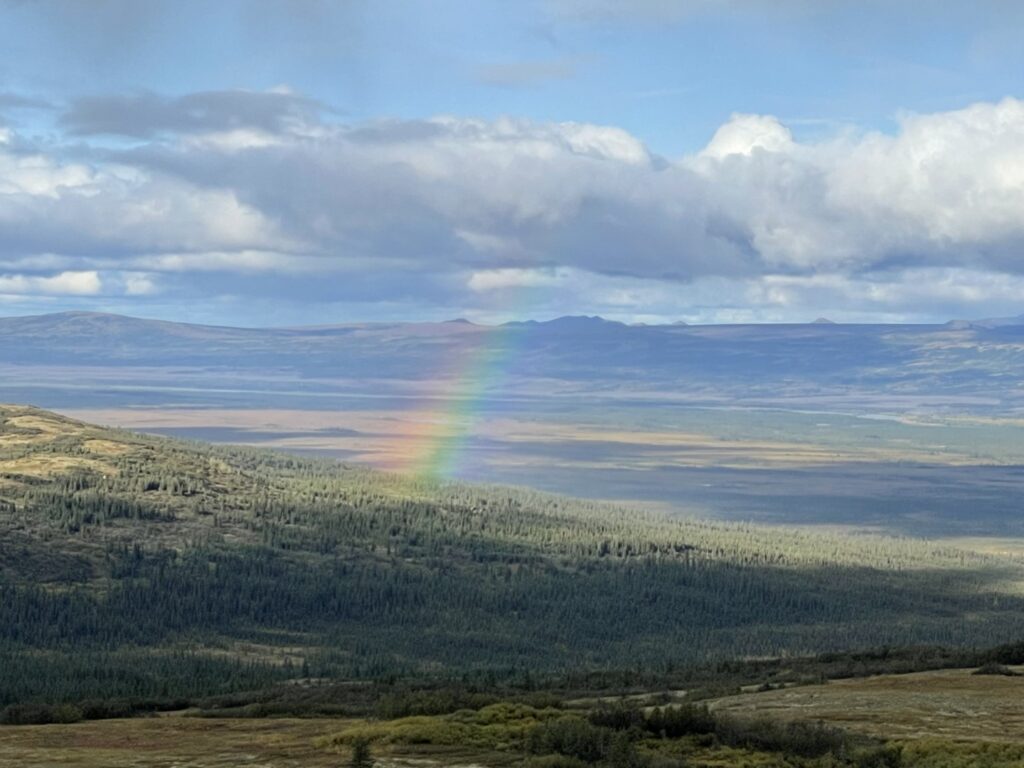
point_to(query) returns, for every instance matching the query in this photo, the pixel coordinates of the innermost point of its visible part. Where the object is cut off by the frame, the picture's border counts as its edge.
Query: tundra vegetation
(140, 574)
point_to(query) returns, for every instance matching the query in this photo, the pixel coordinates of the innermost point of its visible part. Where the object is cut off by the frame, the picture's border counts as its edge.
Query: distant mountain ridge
(991, 322)
(108, 321)
(970, 365)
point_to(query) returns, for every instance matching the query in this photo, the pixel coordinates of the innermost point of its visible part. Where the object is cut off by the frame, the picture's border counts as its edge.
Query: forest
(145, 568)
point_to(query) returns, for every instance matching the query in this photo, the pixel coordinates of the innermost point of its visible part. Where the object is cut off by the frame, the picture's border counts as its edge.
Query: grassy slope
(242, 554)
(955, 705)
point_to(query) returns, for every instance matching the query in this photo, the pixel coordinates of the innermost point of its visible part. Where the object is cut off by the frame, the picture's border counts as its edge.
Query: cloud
(137, 284)
(497, 279)
(88, 210)
(146, 115)
(745, 133)
(9, 100)
(64, 283)
(233, 262)
(942, 191)
(266, 195)
(111, 37)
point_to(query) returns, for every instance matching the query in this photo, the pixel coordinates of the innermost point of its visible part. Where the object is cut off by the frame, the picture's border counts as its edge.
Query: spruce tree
(361, 756)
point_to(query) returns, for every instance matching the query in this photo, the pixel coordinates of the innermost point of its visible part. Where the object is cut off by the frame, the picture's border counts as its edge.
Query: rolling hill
(137, 565)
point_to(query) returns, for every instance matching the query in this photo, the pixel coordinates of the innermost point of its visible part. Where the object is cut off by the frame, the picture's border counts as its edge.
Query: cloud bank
(230, 196)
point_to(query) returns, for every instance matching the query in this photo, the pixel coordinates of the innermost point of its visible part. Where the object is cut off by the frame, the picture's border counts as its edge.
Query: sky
(289, 162)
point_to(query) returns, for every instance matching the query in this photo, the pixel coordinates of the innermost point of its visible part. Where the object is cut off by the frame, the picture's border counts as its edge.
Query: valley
(218, 565)
(557, 384)
(892, 429)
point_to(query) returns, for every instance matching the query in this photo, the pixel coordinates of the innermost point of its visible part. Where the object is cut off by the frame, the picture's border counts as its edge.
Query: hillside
(226, 568)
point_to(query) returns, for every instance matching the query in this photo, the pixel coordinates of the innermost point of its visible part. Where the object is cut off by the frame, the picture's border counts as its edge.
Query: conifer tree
(361, 755)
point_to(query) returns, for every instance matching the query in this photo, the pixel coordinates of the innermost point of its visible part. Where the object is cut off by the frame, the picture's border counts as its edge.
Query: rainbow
(449, 423)
(443, 425)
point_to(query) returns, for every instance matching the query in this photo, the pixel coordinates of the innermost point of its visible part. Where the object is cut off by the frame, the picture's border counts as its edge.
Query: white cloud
(497, 279)
(67, 209)
(923, 222)
(64, 283)
(947, 188)
(745, 133)
(40, 176)
(138, 284)
(231, 261)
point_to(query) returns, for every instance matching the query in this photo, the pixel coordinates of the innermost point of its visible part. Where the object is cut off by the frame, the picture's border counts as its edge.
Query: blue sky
(707, 160)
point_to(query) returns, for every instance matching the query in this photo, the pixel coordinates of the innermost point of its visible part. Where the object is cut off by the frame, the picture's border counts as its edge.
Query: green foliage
(992, 668)
(684, 720)
(499, 726)
(137, 680)
(935, 753)
(39, 714)
(572, 737)
(138, 547)
(796, 738)
(392, 706)
(888, 756)
(361, 754)
(553, 761)
(1011, 653)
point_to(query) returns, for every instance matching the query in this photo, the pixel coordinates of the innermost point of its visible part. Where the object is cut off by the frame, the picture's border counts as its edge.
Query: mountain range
(956, 365)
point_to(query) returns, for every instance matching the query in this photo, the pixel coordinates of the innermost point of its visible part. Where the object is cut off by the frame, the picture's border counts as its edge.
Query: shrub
(440, 702)
(803, 739)
(361, 757)
(39, 714)
(879, 757)
(619, 716)
(994, 668)
(553, 761)
(1012, 653)
(497, 726)
(571, 737)
(685, 720)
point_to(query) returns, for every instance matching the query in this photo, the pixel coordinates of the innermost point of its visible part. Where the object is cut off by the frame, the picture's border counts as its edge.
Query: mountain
(142, 566)
(861, 366)
(1000, 322)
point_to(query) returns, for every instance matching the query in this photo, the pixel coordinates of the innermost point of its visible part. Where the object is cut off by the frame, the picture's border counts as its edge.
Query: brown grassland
(941, 718)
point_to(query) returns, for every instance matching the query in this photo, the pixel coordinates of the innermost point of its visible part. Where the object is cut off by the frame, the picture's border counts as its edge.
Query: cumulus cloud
(745, 133)
(945, 189)
(84, 209)
(64, 283)
(267, 194)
